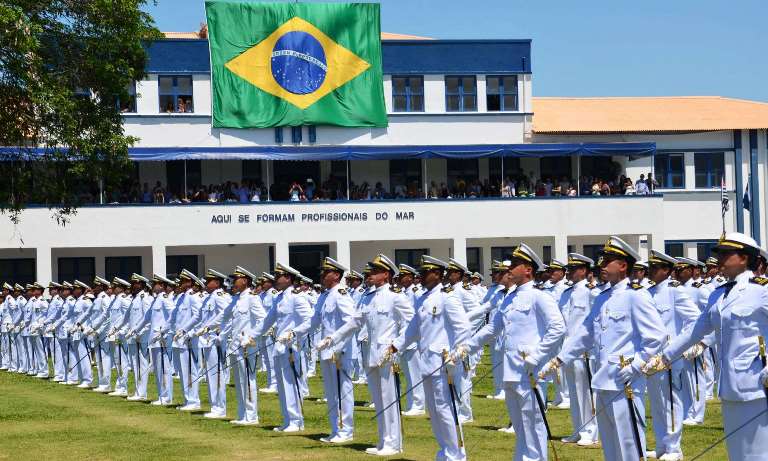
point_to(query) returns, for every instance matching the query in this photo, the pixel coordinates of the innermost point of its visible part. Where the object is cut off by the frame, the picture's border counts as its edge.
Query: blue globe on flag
(298, 63)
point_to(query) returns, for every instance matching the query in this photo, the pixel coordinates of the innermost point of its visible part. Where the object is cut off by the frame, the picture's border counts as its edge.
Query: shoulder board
(697, 284)
(295, 291)
(591, 285)
(759, 280)
(273, 290)
(651, 283)
(447, 289)
(361, 290)
(707, 279)
(415, 289)
(636, 286)
(142, 295)
(569, 283)
(342, 291)
(674, 283)
(221, 293)
(395, 289)
(467, 286)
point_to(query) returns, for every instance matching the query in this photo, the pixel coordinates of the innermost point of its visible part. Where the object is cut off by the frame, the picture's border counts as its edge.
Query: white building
(458, 109)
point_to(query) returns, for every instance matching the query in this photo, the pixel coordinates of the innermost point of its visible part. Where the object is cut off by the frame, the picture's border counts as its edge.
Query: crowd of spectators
(336, 189)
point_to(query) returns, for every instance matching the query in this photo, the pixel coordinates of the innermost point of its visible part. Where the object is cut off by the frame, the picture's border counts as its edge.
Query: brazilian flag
(278, 64)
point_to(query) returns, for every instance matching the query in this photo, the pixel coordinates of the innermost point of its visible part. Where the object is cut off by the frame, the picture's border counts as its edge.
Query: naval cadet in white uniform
(211, 348)
(95, 329)
(532, 326)
(138, 352)
(694, 377)
(267, 343)
(81, 312)
(186, 350)
(115, 339)
(291, 316)
(438, 326)
(238, 323)
(575, 304)
(623, 324)
(737, 312)
(335, 308)
(385, 311)
(153, 329)
(678, 312)
(414, 401)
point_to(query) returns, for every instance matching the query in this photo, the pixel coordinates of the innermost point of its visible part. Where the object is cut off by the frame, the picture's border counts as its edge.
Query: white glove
(694, 351)
(450, 366)
(626, 374)
(72, 330)
(89, 331)
(325, 343)
(49, 329)
(178, 335)
(247, 341)
(531, 362)
(286, 337)
(550, 367)
(130, 334)
(764, 377)
(656, 364)
(460, 353)
(387, 355)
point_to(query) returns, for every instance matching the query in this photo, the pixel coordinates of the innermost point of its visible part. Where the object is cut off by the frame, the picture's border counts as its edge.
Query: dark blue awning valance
(379, 152)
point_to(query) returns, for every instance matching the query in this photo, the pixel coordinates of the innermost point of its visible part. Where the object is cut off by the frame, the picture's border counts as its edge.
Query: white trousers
(186, 365)
(527, 420)
(750, 442)
(59, 350)
(693, 404)
(39, 363)
(269, 361)
(288, 390)
(415, 399)
(331, 380)
(122, 363)
(438, 400)
(615, 425)
(139, 357)
(163, 374)
(381, 383)
(667, 440)
(79, 355)
(104, 363)
(244, 375)
(582, 400)
(216, 378)
(463, 382)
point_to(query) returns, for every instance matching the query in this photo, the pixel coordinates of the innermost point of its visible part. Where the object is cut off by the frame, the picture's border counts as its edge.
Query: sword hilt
(761, 342)
(627, 388)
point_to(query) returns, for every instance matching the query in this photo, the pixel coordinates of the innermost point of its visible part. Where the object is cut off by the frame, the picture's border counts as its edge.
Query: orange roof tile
(384, 36)
(647, 114)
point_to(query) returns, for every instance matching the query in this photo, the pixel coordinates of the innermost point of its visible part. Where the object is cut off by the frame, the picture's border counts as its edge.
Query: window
(83, 269)
(465, 169)
(408, 94)
(704, 250)
(501, 253)
(21, 270)
(252, 171)
(546, 253)
(410, 257)
(121, 266)
(175, 176)
(501, 93)
(474, 259)
(511, 168)
(670, 171)
(403, 176)
(710, 168)
(593, 251)
(296, 134)
(674, 249)
(175, 263)
(461, 94)
(128, 105)
(555, 168)
(176, 94)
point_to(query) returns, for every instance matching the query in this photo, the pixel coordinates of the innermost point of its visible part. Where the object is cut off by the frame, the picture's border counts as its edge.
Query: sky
(591, 47)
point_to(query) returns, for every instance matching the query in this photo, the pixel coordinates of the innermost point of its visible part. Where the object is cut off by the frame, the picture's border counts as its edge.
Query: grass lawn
(43, 420)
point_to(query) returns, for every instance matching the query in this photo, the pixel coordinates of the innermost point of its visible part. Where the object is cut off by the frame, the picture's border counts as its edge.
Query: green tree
(64, 67)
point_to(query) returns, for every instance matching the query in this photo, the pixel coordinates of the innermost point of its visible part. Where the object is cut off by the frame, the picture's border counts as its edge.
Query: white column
(158, 260)
(460, 249)
(561, 248)
(43, 265)
(281, 252)
(343, 253)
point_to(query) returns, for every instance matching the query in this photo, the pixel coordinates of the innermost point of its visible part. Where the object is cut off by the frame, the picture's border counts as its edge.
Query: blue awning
(378, 152)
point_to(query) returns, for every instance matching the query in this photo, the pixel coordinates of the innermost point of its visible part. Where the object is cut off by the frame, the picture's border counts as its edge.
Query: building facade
(461, 115)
